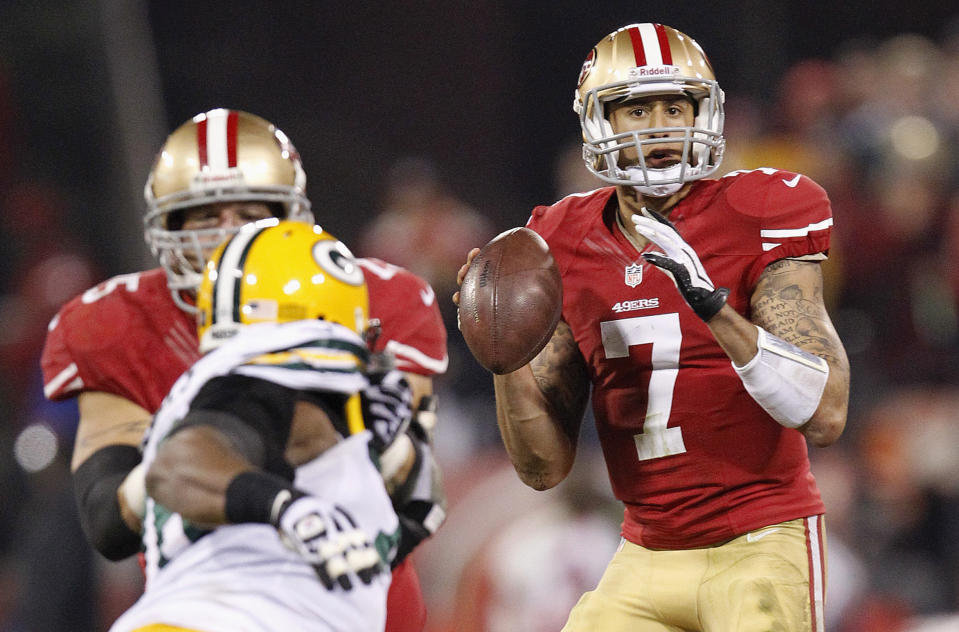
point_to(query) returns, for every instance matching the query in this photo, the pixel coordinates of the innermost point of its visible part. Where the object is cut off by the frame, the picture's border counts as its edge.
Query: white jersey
(241, 578)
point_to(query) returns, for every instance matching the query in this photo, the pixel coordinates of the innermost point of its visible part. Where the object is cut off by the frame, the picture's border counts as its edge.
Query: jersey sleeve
(124, 336)
(411, 324)
(61, 375)
(793, 212)
(563, 224)
(87, 343)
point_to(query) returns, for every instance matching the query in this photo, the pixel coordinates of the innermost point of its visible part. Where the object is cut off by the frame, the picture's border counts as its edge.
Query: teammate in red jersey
(693, 310)
(120, 346)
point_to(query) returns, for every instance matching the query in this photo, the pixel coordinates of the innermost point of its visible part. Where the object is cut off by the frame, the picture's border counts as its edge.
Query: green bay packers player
(266, 509)
(693, 319)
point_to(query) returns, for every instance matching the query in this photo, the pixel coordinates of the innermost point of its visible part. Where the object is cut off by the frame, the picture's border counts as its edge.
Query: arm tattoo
(560, 373)
(788, 303)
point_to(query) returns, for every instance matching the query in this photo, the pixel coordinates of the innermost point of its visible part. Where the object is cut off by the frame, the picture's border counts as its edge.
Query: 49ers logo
(639, 303)
(587, 66)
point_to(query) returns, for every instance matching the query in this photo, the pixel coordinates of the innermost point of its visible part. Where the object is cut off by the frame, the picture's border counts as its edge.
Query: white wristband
(395, 456)
(785, 380)
(133, 489)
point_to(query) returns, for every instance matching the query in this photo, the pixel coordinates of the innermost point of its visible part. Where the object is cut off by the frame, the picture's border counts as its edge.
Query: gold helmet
(279, 271)
(637, 61)
(218, 156)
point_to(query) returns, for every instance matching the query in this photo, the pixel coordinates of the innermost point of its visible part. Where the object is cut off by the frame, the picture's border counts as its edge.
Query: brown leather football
(510, 300)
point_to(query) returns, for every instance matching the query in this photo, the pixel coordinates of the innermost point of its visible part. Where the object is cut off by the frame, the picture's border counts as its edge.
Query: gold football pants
(769, 579)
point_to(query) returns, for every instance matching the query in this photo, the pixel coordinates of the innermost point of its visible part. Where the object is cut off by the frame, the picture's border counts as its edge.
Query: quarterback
(120, 346)
(693, 318)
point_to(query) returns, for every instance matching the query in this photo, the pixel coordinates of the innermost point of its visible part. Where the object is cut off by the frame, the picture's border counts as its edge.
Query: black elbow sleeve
(95, 485)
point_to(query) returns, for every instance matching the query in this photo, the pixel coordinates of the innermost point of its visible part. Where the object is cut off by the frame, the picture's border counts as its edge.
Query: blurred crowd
(877, 125)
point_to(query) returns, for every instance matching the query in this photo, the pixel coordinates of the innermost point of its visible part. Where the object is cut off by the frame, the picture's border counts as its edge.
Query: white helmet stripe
(226, 296)
(651, 49)
(217, 154)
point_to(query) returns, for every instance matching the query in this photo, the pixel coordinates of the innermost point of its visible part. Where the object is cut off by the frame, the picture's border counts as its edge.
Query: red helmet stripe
(638, 51)
(231, 124)
(650, 45)
(201, 143)
(664, 45)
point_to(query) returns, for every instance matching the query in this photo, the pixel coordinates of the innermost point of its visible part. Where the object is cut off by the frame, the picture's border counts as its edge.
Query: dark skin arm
(539, 409)
(194, 466)
(192, 471)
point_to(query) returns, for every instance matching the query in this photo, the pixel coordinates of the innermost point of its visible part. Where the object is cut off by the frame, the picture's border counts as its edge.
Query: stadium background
(443, 123)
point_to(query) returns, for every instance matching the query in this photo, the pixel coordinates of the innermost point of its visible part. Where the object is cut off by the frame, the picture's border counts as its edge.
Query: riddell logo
(208, 178)
(645, 72)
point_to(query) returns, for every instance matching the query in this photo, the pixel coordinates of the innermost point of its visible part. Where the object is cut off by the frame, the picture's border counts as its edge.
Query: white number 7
(662, 331)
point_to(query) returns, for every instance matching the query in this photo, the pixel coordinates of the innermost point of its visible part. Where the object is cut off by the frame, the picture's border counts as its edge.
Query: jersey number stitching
(663, 333)
(130, 281)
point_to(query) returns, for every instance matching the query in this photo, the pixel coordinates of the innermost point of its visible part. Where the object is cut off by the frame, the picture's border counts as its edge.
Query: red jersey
(693, 457)
(127, 337)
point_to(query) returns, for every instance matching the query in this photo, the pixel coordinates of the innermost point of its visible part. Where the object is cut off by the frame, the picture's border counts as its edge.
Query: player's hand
(460, 275)
(681, 263)
(387, 406)
(327, 537)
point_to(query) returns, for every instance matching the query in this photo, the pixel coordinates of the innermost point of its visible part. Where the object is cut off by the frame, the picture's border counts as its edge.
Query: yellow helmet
(640, 60)
(217, 156)
(279, 271)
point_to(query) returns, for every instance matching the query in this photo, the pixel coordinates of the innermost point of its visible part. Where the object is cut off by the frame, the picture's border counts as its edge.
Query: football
(510, 300)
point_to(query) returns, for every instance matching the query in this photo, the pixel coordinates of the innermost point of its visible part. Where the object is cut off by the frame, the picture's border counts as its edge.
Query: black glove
(387, 407)
(681, 263)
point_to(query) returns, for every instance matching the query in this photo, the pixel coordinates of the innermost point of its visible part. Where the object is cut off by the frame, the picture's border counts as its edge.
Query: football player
(120, 346)
(693, 315)
(265, 507)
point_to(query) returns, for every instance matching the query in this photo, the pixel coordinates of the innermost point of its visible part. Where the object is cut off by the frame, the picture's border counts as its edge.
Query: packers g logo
(336, 259)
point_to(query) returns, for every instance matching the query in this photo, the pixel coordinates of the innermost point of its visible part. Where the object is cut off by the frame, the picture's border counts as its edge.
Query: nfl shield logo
(634, 274)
